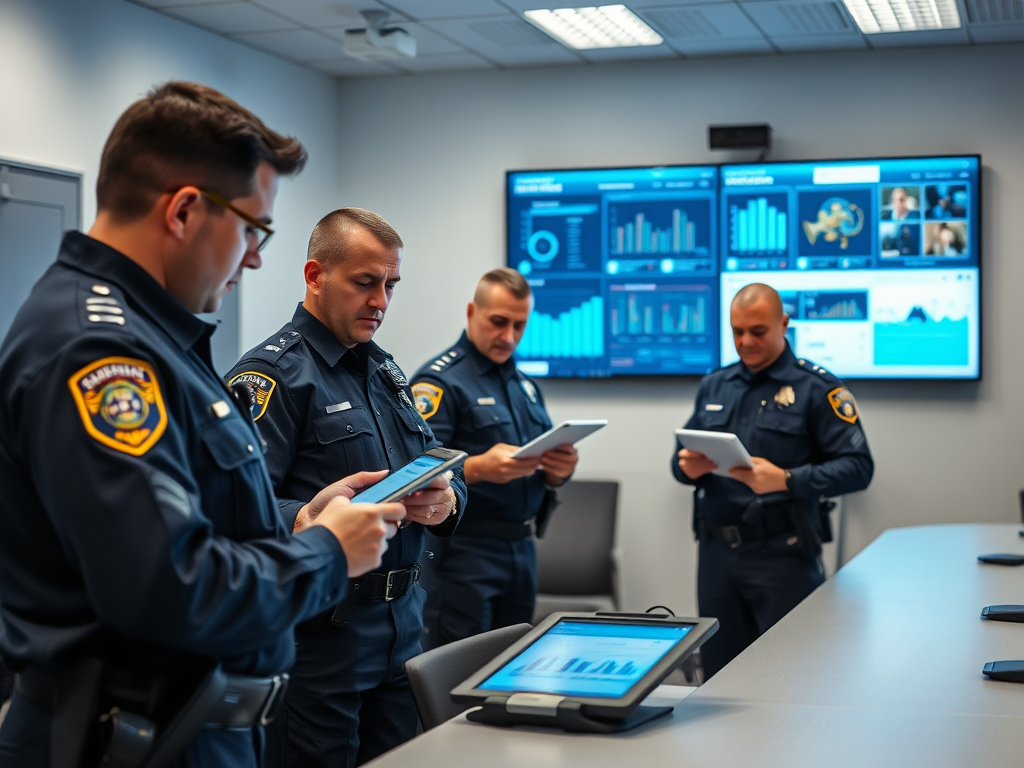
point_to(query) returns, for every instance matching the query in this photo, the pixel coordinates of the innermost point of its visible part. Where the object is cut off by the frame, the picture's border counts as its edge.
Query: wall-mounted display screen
(633, 270)
(877, 261)
(624, 268)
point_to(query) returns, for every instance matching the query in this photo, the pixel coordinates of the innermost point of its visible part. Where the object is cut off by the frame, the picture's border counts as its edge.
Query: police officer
(330, 402)
(760, 530)
(476, 400)
(137, 521)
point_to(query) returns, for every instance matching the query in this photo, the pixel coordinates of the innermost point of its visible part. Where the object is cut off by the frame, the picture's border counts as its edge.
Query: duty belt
(247, 701)
(773, 524)
(375, 586)
(509, 530)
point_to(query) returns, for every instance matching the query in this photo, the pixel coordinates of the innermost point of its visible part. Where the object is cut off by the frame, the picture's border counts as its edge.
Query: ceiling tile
(820, 43)
(425, 10)
(996, 33)
(634, 53)
(723, 47)
(230, 18)
(930, 37)
(801, 17)
(297, 45)
(994, 11)
(509, 41)
(428, 42)
(170, 3)
(317, 14)
(718, 21)
(349, 67)
(445, 63)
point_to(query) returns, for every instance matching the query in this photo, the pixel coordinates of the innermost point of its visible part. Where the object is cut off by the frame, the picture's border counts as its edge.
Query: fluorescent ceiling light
(606, 26)
(874, 16)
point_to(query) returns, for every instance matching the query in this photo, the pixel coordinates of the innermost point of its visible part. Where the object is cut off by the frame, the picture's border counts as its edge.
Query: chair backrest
(434, 673)
(575, 555)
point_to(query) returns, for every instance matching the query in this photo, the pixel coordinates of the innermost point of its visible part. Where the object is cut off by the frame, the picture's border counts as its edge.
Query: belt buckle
(278, 685)
(731, 534)
(388, 597)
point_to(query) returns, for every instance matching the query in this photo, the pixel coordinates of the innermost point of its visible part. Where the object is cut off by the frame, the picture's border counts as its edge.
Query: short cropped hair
(186, 134)
(750, 294)
(506, 278)
(329, 241)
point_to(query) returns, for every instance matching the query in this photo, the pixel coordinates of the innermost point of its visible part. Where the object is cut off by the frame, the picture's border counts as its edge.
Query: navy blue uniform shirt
(796, 415)
(135, 500)
(327, 412)
(472, 404)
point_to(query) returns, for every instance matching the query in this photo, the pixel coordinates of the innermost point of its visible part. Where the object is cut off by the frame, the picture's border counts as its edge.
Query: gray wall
(429, 153)
(71, 67)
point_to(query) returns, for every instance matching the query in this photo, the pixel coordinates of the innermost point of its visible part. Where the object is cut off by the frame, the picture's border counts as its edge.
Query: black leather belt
(509, 530)
(773, 525)
(375, 586)
(247, 700)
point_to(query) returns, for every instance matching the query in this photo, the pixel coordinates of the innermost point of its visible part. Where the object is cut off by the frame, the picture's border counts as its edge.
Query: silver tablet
(723, 448)
(567, 432)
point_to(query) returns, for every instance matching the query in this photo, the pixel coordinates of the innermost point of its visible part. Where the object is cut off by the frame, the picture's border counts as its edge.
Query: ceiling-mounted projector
(377, 43)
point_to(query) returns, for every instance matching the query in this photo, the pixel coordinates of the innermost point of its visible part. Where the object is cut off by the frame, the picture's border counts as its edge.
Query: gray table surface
(881, 666)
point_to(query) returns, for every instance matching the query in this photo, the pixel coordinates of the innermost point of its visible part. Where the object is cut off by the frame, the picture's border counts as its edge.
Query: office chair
(577, 562)
(434, 673)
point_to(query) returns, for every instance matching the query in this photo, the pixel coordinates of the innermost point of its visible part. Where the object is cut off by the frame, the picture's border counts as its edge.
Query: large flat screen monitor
(877, 261)
(623, 264)
(633, 269)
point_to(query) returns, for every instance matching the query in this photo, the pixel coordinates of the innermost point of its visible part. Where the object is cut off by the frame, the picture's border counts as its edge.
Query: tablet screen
(579, 658)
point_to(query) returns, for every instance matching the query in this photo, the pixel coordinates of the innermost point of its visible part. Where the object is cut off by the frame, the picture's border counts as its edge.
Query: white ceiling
(492, 34)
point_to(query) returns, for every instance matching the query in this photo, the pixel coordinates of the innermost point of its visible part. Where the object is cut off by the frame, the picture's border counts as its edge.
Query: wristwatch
(789, 480)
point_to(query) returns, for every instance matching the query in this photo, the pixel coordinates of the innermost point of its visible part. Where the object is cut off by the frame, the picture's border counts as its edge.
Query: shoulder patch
(261, 387)
(120, 403)
(427, 398)
(843, 404)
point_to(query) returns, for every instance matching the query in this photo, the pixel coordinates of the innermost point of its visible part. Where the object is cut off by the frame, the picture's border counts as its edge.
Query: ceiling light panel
(877, 16)
(605, 26)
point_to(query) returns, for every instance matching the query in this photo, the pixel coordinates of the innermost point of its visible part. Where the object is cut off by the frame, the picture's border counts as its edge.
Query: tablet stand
(568, 716)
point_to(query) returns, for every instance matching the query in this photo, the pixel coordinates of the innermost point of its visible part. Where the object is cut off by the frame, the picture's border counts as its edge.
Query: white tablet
(567, 432)
(723, 448)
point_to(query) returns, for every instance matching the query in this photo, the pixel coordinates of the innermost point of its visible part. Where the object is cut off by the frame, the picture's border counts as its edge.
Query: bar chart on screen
(567, 323)
(656, 309)
(680, 227)
(758, 224)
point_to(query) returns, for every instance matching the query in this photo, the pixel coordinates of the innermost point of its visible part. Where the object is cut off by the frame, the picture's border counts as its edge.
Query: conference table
(880, 666)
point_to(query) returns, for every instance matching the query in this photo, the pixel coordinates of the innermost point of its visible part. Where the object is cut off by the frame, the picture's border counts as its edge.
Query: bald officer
(760, 530)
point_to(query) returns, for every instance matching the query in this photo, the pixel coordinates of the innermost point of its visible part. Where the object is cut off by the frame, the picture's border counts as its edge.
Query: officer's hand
(498, 466)
(559, 463)
(362, 530)
(433, 504)
(695, 464)
(346, 487)
(765, 477)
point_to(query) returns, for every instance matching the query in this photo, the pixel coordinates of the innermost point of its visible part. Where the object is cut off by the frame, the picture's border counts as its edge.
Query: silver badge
(395, 373)
(529, 389)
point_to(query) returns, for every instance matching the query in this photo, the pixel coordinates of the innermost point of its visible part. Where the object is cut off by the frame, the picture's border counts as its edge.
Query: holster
(119, 716)
(547, 508)
(807, 527)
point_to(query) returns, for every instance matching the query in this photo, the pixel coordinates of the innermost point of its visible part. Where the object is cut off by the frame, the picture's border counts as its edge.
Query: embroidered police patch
(427, 398)
(120, 403)
(843, 404)
(261, 387)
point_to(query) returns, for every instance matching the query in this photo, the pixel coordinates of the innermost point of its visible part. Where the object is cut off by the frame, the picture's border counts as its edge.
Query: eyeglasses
(264, 231)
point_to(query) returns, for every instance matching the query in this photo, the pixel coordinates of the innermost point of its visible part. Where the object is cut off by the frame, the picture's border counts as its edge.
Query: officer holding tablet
(760, 530)
(329, 402)
(476, 400)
